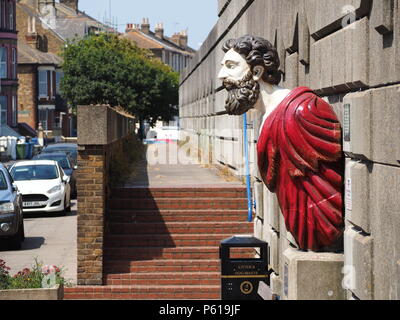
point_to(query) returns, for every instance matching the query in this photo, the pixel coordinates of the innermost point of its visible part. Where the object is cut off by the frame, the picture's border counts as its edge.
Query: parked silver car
(11, 214)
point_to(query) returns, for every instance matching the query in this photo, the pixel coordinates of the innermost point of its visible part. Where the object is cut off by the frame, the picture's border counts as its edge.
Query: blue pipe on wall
(248, 181)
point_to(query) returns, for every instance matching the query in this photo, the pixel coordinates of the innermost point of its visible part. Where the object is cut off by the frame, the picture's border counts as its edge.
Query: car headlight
(54, 189)
(6, 207)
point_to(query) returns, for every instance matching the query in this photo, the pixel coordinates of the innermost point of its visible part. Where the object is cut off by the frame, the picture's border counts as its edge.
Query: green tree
(105, 69)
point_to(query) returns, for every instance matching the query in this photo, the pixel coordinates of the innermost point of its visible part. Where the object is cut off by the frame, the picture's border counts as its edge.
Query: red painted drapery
(300, 159)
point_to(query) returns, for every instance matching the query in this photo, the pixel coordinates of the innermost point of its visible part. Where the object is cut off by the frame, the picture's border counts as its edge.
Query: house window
(14, 62)
(3, 109)
(43, 88)
(59, 76)
(3, 62)
(43, 116)
(14, 111)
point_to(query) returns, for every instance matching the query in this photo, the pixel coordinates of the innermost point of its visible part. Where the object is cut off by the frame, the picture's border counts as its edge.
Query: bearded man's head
(247, 61)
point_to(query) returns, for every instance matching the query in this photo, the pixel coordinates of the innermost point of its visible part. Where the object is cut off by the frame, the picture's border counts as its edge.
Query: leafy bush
(39, 276)
(106, 69)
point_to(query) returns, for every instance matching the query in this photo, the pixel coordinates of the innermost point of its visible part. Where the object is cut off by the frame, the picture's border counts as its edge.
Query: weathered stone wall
(101, 132)
(348, 51)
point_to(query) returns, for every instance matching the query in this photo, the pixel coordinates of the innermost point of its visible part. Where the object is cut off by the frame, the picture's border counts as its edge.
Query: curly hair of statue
(258, 52)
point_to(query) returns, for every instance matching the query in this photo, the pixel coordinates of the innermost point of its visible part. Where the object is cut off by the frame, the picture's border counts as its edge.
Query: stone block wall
(348, 52)
(94, 154)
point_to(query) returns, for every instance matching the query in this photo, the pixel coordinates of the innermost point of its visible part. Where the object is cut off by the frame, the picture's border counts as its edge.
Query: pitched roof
(151, 41)
(29, 55)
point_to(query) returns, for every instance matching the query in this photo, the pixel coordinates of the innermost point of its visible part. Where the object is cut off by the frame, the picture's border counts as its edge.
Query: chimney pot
(145, 27)
(159, 31)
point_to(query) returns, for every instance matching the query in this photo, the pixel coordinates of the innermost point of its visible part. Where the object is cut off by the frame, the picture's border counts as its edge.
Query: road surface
(49, 237)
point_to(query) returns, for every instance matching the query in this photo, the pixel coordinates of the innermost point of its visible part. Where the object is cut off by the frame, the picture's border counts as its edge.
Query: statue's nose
(222, 75)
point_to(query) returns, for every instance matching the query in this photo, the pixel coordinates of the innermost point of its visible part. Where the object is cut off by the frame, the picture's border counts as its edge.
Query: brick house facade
(8, 65)
(43, 27)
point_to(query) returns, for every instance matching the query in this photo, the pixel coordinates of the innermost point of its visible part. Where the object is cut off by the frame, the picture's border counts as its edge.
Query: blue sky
(198, 16)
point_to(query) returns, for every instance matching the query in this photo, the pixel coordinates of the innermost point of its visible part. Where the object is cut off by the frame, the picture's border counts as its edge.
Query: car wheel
(15, 242)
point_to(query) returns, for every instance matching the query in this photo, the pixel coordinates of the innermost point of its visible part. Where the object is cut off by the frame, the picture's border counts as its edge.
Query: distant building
(8, 69)
(43, 27)
(173, 51)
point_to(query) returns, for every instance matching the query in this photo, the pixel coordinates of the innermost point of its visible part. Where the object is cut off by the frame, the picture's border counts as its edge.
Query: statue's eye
(231, 66)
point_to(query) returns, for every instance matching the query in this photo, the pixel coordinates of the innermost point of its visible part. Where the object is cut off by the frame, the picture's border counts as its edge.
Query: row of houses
(32, 35)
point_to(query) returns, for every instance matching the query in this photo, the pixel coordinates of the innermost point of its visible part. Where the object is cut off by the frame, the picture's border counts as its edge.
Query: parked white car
(43, 184)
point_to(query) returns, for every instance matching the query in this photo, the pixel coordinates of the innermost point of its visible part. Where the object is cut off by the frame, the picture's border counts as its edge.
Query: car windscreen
(34, 172)
(3, 181)
(72, 152)
(62, 161)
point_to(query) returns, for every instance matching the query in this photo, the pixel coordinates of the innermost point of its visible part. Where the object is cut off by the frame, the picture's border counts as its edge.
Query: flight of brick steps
(163, 243)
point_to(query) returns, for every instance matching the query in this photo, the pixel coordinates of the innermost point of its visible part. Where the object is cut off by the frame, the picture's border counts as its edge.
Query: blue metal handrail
(248, 181)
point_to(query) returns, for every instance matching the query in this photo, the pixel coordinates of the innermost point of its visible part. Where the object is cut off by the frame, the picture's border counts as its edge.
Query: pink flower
(48, 269)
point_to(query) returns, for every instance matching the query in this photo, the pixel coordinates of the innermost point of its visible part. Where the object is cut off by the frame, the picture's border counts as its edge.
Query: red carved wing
(300, 158)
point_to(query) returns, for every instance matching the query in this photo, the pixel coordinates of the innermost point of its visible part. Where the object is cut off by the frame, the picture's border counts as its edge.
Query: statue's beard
(243, 94)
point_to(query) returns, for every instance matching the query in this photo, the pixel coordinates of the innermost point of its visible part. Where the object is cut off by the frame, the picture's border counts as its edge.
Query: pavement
(51, 238)
(166, 165)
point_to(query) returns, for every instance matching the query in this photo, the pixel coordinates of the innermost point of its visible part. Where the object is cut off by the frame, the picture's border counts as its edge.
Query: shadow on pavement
(29, 215)
(30, 243)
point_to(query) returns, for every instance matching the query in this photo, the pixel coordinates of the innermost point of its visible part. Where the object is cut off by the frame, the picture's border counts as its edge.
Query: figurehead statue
(299, 146)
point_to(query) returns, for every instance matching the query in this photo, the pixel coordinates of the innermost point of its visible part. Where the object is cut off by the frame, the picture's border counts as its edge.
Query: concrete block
(312, 276)
(258, 228)
(374, 124)
(276, 286)
(292, 71)
(271, 209)
(324, 17)
(356, 123)
(258, 197)
(385, 226)
(358, 264)
(352, 65)
(357, 194)
(384, 44)
(274, 249)
(101, 125)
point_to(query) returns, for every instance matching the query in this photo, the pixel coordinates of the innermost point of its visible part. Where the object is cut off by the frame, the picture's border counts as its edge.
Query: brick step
(178, 203)
(164, 278)
(188, 292)
(181, 228)
(175, 215)
(144, 253)
(165, 240)
(142, 193)
(181, 265)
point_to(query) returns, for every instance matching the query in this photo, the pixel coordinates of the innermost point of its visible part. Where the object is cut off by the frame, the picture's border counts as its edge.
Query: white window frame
(41, 82)
(45, 108)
